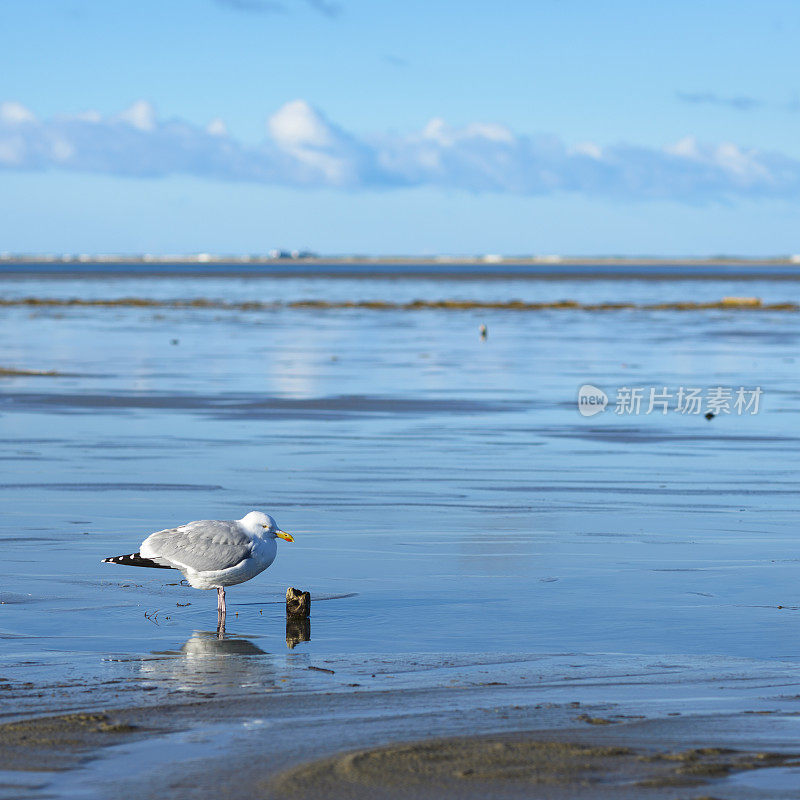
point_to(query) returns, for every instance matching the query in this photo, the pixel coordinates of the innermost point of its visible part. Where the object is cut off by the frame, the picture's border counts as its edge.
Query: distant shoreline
(593, 268)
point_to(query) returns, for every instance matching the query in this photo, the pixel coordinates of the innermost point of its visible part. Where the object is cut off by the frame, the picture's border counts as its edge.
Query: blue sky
(415, 127)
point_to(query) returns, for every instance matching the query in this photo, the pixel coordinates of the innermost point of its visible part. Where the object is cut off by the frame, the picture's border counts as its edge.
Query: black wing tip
(134, 560)
(126, 559)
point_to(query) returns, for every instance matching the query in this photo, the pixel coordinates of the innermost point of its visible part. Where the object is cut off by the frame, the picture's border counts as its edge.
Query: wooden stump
(298, 604)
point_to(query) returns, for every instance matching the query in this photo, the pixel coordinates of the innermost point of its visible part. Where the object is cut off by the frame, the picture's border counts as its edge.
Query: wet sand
(46, 744)
(443, 741)
(564, 726)
(519, 767)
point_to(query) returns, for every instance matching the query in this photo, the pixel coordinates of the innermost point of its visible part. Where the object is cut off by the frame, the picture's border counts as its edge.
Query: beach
(599, 606)
(605, 727)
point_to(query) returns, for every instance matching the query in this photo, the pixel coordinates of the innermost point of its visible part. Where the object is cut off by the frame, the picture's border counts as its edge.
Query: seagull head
(258, 522)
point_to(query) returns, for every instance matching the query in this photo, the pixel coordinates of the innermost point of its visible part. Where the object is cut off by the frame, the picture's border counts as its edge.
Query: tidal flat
(482, 559)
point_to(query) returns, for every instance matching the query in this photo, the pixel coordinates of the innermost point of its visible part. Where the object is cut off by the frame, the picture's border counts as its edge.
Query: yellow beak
(284, 535)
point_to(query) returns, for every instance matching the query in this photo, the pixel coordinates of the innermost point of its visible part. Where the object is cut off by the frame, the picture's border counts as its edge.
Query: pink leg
(220, 609)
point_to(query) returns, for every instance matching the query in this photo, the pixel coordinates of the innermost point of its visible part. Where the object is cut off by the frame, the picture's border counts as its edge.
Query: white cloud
(217, 127)
(305, 149)
(140, 115)
(12, 113)
(437, 131)
(317, 151)
(490, 131)
(61, 150)
(684, 148)
(588, 149)
(296, 125)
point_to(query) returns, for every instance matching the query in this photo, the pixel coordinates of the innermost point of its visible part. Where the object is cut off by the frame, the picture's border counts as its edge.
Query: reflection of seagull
(207, 662)
(210, 553)
(205, 643)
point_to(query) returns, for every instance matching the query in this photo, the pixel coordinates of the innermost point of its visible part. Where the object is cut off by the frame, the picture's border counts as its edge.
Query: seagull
(211, 554)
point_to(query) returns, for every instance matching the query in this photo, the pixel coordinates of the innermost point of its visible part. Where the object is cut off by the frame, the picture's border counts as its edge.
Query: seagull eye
(265, 526)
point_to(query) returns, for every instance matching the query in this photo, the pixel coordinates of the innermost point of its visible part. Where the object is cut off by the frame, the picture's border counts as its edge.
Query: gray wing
(205, 545)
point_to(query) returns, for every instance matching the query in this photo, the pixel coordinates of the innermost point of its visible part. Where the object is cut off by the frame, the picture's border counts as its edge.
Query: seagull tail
(135, 560)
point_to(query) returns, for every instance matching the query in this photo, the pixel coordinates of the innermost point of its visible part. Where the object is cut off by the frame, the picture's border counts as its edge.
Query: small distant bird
(484, 331)
(174, 341)
(211, 554)
(709, 415)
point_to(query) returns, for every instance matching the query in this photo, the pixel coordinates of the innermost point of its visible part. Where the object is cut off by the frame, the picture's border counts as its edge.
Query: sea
(447, 492)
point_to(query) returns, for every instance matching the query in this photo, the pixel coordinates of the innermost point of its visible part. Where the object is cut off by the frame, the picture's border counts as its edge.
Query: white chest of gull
(211, 554)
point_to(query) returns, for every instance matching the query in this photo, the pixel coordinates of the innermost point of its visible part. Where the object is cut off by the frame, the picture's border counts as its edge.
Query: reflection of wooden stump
(298, 611)
(298, 604)
(298, 629)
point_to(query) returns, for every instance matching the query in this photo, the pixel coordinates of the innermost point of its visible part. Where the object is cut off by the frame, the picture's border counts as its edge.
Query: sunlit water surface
(444, 493)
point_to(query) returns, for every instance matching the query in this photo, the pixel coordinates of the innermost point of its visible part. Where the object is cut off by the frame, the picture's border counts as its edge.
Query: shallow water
(444, 492)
